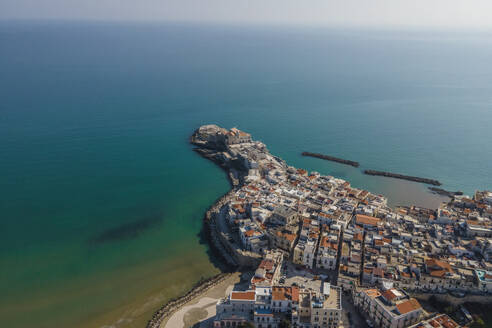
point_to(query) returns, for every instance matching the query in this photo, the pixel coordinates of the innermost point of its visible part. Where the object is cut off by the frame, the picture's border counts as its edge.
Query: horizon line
(400, 27)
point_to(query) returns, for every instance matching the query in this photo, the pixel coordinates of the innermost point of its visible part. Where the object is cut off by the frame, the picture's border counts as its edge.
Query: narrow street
(363, 251)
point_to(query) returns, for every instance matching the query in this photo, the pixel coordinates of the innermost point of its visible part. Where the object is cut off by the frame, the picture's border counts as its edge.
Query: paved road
(356, 320)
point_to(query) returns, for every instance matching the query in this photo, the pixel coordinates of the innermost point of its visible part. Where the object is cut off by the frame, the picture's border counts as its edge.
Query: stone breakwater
(403, 177)
(443, 192)
(174, 304)
(331, 158)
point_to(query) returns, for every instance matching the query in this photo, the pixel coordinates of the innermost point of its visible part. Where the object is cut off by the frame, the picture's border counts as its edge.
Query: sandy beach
(202, 307)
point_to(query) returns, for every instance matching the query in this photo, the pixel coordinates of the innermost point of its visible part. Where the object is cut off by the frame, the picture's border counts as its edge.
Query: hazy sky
(436, 13)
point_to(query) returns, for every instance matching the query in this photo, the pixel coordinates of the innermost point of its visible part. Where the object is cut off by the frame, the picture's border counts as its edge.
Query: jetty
(331, 158)
(403, 177)
(444, 192)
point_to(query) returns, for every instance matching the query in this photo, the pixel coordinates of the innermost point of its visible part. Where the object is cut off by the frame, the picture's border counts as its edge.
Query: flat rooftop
(334, 300)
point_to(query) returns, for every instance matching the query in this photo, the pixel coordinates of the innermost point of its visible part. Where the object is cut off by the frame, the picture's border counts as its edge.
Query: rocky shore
(403, 177)
(211, 233)
(331, 158)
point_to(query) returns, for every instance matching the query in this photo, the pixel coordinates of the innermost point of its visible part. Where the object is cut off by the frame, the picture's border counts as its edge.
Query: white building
(484, 279)
(388, 309)
(319, 309)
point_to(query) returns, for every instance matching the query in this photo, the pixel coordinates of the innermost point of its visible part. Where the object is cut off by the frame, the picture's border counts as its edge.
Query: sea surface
(102, 197)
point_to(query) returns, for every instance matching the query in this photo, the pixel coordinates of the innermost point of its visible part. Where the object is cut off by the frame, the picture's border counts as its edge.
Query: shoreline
(175, 304)
(236, 178)
(201, 286)
(201, 307)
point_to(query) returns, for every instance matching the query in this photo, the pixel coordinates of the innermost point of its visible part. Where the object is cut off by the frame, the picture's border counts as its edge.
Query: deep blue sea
(101, 195)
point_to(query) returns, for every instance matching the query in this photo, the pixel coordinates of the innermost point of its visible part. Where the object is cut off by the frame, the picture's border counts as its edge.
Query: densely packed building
(267, 303)
(324, 225)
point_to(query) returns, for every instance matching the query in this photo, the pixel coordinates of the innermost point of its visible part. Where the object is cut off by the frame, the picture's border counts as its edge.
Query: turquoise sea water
(101, 196)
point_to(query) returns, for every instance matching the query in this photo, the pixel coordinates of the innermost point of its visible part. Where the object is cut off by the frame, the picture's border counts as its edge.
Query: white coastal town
(324, 254)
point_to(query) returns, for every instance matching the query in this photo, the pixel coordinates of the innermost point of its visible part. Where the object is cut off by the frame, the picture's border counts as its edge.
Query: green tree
(246, 325)
(284, 324)
(478, 323)
(449, 309)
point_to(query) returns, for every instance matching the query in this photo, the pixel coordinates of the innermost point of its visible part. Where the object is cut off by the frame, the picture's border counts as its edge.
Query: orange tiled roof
(266, 264)
(373, 293)
(434, 324)
(408, 306)
(249, 233)
(324, 242)
(367, 220)
(389, 295)
(290, 237)
(446, 321)
(377, 272)
(438, 265)
(438, 273)
(245, 296)
(256, 280)
(285, 293)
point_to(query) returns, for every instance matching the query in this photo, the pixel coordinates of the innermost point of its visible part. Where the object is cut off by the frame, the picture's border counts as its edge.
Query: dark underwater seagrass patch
(128, 230)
